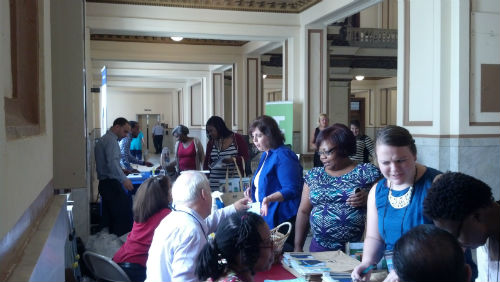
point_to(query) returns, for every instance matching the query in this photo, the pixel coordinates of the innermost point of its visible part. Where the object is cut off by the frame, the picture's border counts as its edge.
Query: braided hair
(236, 236)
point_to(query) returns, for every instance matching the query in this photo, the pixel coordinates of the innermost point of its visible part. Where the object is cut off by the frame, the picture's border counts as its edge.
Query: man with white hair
(182, 234)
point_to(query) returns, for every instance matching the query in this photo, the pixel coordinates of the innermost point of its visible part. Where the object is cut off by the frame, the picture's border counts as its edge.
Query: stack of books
(324, 266)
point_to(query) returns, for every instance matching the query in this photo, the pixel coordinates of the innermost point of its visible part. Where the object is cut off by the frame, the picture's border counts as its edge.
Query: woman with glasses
(277, 183)
(151, 205)
(241, 247)
(334, 196)
(395, 204)
(223, 145)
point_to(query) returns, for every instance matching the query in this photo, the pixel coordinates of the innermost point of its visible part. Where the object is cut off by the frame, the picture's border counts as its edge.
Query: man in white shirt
(158, 137)
(182, 234)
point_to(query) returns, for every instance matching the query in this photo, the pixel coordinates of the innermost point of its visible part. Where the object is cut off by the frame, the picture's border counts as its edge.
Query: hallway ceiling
(161, 76)
(273, 6)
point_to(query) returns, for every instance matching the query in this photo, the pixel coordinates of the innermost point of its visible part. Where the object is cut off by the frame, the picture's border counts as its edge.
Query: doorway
(147, 122)
(357, 111)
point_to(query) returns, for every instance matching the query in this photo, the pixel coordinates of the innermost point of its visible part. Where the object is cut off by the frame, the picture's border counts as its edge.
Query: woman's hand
(392, 277)
(246, 193)
(357, 273)
(264, 206)
(358, 199)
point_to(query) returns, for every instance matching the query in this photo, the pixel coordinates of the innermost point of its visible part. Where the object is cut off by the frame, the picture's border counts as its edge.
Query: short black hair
(269, 127)
(237, 236)
(455, 195)
(341, 136)
(428, 253)
(220, 126)
(396, 136)
(356, 123)
(120, 121)
(133, 123)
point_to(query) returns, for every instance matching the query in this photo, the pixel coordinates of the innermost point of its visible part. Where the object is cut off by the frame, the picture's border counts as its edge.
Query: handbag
(234, 187)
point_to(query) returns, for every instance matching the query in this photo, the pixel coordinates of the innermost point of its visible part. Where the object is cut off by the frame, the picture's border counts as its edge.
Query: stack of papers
(321, 266)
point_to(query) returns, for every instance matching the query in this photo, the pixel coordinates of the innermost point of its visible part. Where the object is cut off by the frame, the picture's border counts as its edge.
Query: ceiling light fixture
(176, 38)
(359, 77)
(264, 76)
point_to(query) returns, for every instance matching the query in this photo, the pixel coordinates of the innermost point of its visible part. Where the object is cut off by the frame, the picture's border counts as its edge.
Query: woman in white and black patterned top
(365, 150)
(222, 146)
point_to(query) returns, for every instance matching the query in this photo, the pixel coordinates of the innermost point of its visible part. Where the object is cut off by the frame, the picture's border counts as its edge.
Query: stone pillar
(338, 101)
(316, 101)
(439, 70)
(253, 90)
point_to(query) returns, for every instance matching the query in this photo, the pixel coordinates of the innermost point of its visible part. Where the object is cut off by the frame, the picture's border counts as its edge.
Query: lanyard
(201, 226)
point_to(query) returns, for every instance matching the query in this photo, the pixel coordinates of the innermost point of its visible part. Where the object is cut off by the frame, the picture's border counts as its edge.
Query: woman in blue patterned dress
(334, 196)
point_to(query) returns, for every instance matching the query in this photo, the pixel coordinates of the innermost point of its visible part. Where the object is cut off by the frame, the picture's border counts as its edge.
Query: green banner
(282, 112)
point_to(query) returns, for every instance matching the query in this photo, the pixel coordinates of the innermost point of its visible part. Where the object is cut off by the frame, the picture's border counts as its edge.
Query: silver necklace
(404, 200)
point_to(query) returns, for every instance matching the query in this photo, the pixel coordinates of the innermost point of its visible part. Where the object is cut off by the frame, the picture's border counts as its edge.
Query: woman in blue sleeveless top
(395, 204)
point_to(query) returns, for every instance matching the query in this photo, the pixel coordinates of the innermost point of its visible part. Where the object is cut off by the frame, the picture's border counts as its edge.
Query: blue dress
(393, 223)
(333, 221)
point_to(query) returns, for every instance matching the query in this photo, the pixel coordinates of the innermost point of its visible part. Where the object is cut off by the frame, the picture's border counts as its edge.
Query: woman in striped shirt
(223, 145)
(365, 151)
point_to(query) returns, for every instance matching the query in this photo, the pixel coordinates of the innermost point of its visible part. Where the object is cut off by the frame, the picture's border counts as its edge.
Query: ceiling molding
(167, 40)
(271, 6)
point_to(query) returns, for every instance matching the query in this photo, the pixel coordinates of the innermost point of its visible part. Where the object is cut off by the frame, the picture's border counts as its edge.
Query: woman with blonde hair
(323, 123)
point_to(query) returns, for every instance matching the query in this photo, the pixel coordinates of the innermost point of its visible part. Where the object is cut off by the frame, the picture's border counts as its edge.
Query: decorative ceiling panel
(157, 39)
(273, 6)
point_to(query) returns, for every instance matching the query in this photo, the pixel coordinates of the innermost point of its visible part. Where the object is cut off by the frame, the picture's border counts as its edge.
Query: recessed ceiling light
(359, 77)
(176, 38)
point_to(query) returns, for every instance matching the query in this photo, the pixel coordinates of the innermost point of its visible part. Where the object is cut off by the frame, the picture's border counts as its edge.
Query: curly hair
(454, 196)
(340, 136)
(236, 236)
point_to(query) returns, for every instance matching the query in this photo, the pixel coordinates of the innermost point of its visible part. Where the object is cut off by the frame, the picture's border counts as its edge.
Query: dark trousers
(137, 154)
(116, 207)
(289, 243)
(158, 143)
(135, 272)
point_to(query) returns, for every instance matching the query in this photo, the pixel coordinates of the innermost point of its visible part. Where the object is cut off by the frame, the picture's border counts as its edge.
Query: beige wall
(128, 104)
(26, 164)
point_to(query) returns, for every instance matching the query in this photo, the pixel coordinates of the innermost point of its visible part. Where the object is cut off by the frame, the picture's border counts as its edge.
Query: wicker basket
(279, 239)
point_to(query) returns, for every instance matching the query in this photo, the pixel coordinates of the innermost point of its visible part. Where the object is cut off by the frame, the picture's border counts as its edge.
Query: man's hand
(134, 171)
(358, 199)
(148, 164)
(126, 171)
(128, 184)
(242, 204)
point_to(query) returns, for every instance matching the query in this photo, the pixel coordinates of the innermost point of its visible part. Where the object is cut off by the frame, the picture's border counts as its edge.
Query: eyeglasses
(327, 153)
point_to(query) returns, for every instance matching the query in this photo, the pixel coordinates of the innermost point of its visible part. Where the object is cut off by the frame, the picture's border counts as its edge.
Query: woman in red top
(151, 205)
(189, 154)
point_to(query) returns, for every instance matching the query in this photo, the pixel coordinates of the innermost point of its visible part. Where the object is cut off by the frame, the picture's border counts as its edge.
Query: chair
(104, 268)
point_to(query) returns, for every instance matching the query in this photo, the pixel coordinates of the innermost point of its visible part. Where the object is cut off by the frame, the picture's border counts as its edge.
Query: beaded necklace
(398, 203)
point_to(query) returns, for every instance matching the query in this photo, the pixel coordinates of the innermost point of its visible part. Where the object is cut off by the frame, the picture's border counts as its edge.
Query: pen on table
(364, 272)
